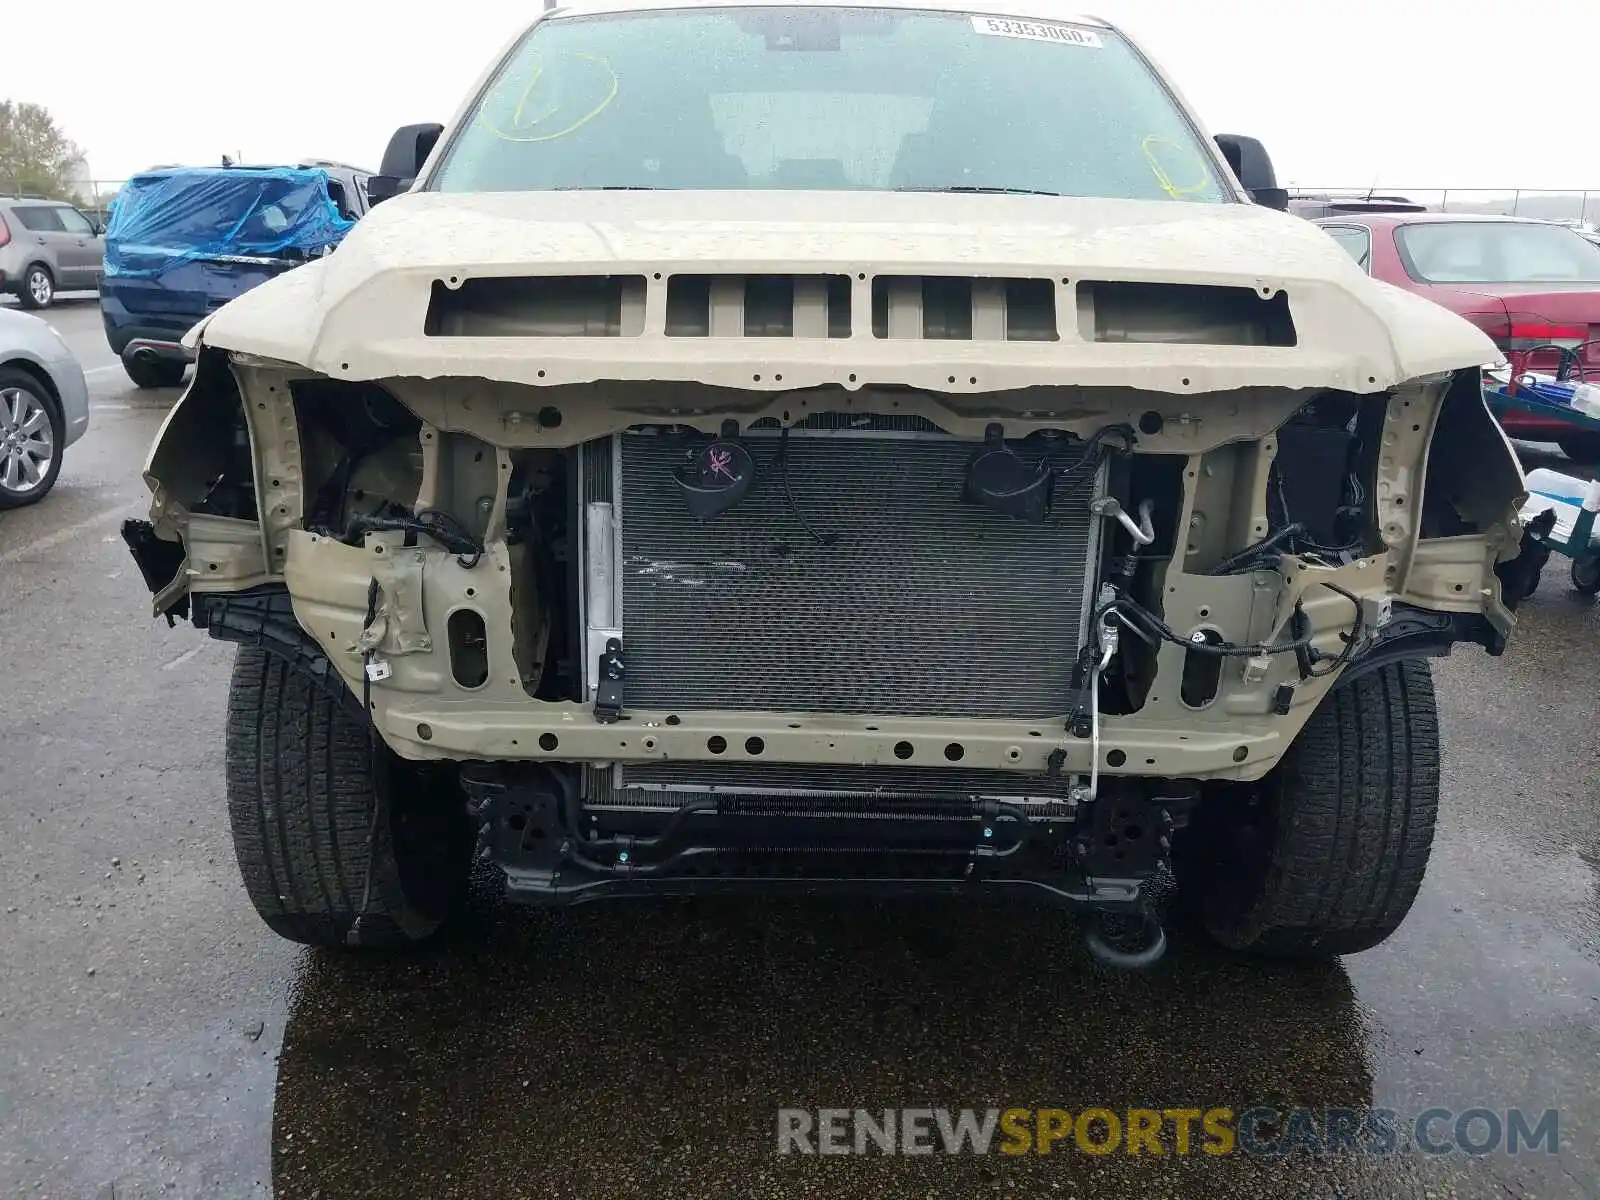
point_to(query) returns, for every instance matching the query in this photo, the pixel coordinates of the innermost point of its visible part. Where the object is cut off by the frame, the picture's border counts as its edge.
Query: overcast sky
(1407, 93)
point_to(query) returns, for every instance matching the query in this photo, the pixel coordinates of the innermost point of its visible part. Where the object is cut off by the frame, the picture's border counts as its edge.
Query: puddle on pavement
(646, 1049)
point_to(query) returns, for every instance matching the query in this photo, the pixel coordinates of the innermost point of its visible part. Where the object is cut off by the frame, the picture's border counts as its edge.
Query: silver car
(44, 407)
(47, 246)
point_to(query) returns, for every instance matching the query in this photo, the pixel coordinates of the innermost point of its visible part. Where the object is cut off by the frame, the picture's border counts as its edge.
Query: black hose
(781, 461)
(993, 809)
(674, 823)
(572, 855)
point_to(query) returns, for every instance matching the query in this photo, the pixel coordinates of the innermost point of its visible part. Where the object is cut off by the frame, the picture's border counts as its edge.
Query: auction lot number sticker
(1037, 31)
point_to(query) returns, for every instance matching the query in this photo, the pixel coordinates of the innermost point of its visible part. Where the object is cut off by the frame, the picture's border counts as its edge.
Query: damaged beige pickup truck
(885, 447)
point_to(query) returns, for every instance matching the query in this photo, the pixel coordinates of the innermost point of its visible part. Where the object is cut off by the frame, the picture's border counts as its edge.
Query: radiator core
(851, 579)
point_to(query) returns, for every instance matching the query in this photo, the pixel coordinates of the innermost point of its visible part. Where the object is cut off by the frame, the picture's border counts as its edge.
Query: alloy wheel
(27, 442)
(41, 288)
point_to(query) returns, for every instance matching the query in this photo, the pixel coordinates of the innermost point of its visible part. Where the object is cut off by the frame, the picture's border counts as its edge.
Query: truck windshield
(828, 99)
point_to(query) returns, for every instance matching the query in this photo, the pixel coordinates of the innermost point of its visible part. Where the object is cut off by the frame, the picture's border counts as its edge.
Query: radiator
(919, 604)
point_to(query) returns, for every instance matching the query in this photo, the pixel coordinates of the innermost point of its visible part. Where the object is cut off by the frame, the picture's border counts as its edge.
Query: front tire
(155, 372)
(1325, 855)
(32, 433)
(304, 779)
(38, 287)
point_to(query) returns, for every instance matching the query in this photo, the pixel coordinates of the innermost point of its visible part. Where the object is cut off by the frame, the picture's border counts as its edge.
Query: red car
(1530, 285)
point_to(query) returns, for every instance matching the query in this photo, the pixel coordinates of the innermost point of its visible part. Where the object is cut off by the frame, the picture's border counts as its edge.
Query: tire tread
(1357, 807)
(301, 786)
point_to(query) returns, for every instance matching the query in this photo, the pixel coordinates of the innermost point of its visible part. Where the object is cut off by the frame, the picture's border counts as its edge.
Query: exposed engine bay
(827, 636)
(999, 521)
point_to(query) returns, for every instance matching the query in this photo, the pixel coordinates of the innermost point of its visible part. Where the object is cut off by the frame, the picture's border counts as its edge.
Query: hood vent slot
(1183, 314)
(903, 308)
(804, 306)
(955, 308)
(539, 306)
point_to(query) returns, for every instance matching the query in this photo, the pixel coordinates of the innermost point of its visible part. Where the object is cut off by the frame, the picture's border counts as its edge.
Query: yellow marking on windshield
(1175, 190)
(523, 127)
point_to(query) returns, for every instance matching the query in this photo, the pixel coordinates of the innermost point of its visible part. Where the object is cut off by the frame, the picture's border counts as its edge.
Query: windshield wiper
(989, 191)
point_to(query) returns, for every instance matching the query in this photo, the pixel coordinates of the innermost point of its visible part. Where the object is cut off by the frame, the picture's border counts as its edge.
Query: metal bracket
(1127, 833)
(608, 693)
(1079, 723)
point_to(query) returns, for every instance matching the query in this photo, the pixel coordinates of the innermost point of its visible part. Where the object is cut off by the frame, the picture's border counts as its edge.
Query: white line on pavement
(186, 656)
(106, 370)
(65, 534)
(110, 407)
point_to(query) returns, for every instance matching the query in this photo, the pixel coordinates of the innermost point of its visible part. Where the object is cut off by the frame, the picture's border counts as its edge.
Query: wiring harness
(443, 528)
(1092, 451)
(1315, 664)
(1266, 554)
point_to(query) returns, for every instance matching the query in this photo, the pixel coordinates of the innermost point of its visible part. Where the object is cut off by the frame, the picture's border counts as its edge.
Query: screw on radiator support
(987, 832)
(623, 857)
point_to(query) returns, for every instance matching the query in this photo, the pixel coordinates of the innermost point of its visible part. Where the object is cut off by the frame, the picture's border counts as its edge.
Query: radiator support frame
(549, 850)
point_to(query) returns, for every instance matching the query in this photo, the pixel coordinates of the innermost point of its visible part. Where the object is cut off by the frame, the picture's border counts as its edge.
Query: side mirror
(1252, 165)
(403, 161)
(385, 187)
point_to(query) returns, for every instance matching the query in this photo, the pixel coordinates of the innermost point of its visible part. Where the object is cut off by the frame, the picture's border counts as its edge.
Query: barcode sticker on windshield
(1036, 31)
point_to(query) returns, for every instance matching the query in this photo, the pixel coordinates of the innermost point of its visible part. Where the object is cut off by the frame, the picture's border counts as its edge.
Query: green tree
(35, 155)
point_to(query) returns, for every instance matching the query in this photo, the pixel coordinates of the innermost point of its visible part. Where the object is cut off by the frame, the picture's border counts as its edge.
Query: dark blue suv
(183, 241)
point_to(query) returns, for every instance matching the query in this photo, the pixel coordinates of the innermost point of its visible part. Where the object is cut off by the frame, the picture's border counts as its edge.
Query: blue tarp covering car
(183, 241)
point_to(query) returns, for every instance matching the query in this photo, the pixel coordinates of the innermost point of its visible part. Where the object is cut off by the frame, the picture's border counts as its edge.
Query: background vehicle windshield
(828, 99)
(1496, 252)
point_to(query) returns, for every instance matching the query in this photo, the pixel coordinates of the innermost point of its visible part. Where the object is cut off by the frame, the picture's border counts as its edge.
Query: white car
(44, 407)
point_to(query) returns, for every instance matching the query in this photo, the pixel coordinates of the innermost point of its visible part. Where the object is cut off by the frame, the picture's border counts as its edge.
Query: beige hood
(359, 313)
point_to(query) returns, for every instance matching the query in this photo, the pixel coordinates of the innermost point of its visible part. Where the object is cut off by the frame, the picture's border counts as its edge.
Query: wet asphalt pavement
(156, 1040)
